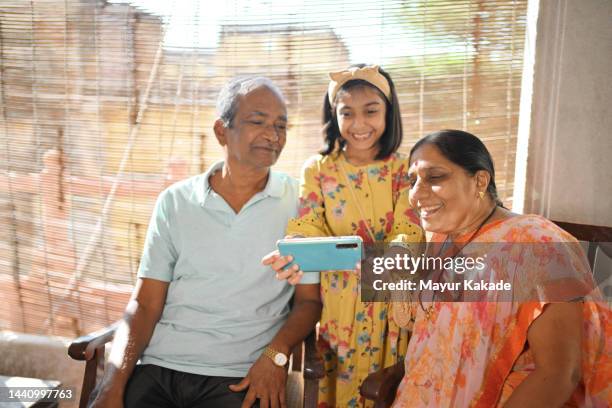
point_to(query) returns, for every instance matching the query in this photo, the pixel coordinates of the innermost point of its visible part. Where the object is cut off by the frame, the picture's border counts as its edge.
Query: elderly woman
(535, 348)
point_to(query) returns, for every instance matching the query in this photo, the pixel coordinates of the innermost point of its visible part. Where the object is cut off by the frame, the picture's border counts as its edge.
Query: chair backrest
(602, 269)
(597, 242)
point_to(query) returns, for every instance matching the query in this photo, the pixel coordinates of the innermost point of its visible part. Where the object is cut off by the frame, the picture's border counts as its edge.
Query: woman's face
(361, 118)
(443, 193)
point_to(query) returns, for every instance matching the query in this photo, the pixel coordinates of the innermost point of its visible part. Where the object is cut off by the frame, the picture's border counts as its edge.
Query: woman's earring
(481, 195)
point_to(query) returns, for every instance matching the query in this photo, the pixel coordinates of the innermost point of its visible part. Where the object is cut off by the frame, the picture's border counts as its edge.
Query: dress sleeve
(406, 229)
(311, 220)
(406, 224)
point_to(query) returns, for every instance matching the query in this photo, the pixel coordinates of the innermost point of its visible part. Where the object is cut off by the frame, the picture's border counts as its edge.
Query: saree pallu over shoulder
(473, 354)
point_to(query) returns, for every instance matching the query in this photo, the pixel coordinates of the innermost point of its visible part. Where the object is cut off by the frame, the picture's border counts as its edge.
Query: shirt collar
(274, 187)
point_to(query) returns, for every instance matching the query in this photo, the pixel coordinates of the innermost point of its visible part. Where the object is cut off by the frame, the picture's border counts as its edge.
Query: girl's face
(361, 118)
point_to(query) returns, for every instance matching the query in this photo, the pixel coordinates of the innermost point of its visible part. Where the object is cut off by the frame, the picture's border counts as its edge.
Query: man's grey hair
(227, 101)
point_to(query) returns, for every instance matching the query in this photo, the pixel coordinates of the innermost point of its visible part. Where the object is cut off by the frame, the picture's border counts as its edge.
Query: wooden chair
(381, 386)
(91, 349)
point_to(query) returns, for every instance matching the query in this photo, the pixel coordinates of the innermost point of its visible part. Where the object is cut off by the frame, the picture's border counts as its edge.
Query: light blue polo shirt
(223, 307)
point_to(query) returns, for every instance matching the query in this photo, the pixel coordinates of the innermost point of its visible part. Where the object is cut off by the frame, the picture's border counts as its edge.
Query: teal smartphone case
(323, 254)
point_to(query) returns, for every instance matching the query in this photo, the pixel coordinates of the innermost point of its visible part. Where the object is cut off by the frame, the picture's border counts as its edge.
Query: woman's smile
(429, 210)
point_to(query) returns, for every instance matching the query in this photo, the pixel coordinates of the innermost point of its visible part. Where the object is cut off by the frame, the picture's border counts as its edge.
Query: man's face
(258, 132)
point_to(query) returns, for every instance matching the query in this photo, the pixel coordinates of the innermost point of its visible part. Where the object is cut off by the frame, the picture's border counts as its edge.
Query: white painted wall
(564, 159)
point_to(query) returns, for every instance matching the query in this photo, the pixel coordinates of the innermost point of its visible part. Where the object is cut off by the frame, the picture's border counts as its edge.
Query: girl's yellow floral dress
(355, 338)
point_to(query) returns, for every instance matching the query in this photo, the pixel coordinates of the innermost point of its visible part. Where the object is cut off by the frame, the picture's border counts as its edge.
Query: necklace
(429, 310)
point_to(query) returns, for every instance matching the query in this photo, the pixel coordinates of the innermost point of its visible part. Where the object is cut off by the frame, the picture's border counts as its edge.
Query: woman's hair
(466, 151)
(390, 140)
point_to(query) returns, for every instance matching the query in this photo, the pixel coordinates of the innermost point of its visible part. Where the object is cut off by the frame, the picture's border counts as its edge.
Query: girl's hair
(390, 140)
(466, 151)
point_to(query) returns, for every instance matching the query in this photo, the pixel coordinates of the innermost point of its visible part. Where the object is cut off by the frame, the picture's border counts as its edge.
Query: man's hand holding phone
(279, 263)
(317, 254)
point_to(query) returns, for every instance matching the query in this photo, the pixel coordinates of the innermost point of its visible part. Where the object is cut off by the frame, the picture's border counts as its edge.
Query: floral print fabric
(355, 338)
(474, 354)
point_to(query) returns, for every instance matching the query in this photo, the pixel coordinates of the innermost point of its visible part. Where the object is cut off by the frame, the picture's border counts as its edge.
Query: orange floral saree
(474, 354)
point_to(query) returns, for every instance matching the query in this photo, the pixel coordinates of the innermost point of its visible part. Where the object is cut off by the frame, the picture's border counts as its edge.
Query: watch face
(280, 359)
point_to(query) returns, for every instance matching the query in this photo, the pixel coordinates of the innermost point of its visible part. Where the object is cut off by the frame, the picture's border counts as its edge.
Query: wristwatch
(277, 357)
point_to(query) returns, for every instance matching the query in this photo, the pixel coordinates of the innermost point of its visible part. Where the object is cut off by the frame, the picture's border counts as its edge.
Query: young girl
(357, 186)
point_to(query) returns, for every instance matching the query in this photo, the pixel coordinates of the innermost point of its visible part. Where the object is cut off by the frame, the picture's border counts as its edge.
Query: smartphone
(323, 253)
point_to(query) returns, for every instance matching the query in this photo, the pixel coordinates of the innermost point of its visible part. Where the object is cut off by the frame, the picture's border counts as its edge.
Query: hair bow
(369, 73)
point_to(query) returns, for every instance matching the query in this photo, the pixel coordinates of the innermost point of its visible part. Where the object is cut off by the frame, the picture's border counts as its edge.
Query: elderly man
(210, 324)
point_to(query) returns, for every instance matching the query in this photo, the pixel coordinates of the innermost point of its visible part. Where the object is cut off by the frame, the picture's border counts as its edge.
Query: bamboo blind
(98, 114)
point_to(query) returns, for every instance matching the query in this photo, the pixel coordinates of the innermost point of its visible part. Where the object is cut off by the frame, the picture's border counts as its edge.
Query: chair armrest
(313, 362)
(84, 347)
(381, 385)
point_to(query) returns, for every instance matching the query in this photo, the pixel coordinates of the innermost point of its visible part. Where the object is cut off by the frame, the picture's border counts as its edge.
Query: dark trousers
(154, 386)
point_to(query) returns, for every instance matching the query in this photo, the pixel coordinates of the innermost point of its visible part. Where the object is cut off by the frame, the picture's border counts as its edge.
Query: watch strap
(272, 353)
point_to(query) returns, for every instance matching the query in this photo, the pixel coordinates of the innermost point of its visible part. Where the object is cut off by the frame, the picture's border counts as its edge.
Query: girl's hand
(357, 271)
